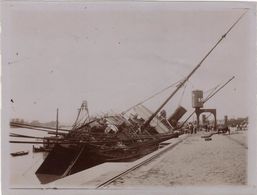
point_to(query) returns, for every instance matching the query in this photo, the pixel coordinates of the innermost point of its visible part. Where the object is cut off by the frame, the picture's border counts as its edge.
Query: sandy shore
(222, 161)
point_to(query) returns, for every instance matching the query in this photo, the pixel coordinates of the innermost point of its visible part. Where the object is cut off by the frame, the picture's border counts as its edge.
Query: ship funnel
(178, 113)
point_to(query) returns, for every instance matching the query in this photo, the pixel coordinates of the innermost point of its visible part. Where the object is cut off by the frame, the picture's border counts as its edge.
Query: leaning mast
(146, 124)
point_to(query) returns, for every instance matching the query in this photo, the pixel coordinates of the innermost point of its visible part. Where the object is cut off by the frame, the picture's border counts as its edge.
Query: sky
(114, 55)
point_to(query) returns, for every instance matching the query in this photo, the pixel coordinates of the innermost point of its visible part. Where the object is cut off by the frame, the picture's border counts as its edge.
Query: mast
(57, 125)
(146, 124)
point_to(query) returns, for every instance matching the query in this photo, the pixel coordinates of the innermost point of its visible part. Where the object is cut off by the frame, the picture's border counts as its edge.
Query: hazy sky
(116, 54)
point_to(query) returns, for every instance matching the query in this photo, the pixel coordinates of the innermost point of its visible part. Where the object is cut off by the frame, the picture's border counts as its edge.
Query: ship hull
(65, 160)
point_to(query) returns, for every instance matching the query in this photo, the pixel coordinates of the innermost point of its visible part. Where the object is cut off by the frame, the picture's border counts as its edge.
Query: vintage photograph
(127, 95)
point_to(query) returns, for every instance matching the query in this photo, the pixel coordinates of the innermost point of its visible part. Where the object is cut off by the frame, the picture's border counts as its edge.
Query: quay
(222, 161)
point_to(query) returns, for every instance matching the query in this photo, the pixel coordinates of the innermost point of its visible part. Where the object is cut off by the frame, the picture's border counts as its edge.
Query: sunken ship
(120, 137)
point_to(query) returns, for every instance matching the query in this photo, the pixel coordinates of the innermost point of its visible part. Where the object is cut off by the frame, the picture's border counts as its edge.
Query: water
(22, 168)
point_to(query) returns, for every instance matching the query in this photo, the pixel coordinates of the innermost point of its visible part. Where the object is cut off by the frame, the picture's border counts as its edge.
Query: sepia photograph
(133, 96)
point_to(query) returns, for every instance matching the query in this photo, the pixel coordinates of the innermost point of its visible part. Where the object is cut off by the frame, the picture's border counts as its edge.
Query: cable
(182, 95)
(152, 96)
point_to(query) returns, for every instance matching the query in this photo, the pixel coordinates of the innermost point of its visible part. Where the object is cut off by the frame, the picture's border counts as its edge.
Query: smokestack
(178, 113)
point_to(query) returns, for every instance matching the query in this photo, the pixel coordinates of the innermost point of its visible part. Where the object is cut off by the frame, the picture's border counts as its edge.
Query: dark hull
(66, 160)
(19, 153)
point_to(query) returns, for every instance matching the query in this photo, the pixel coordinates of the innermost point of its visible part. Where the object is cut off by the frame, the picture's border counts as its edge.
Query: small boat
(20, 153)
(40, 149)
(208, 139)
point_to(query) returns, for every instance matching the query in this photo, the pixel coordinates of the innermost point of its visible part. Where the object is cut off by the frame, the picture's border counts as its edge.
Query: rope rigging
(152, 96)
(182, 94)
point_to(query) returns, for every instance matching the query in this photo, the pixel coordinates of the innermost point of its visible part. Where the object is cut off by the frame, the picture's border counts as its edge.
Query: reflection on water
(22, 168)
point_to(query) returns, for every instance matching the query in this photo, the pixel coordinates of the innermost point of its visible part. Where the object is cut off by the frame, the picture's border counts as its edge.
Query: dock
(222, 161)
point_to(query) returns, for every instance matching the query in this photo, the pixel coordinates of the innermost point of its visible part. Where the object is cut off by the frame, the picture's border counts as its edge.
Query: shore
(221, 161)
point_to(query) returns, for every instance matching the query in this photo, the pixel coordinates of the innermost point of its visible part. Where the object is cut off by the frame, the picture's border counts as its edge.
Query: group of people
(192, 128)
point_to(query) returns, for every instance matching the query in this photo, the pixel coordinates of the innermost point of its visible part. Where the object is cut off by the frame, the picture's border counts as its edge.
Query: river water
(22, 168)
